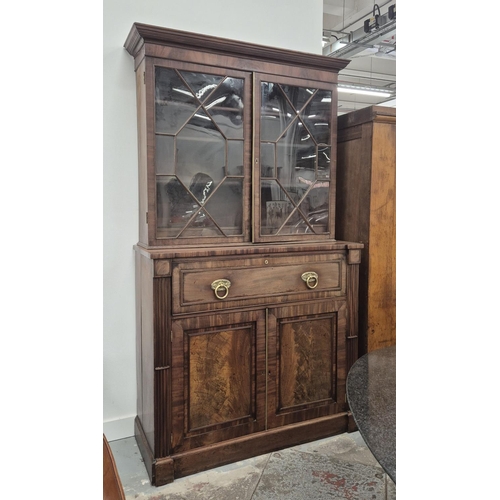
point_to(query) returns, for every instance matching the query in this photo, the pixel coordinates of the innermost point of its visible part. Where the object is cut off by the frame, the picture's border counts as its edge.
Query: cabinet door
(217, 391)
(200, 170)
(294, 159)
(306, 362)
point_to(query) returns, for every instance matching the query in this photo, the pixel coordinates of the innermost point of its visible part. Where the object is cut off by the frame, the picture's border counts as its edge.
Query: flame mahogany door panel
(306, 362)
(218, 392)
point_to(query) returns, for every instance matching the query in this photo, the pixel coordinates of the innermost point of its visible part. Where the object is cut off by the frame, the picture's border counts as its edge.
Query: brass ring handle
(218, 286)
(311, 279)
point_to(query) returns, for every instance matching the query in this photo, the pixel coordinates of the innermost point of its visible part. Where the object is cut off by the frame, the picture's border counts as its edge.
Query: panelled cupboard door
(306, 362)
(218, 393)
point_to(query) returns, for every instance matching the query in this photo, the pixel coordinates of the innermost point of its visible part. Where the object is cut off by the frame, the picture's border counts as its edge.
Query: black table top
(371, 394)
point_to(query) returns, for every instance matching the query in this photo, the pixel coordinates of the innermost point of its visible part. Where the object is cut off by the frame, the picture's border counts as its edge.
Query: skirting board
(120, 428)
(164, 470)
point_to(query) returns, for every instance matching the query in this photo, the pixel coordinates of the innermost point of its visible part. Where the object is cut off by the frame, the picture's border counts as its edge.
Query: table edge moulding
(246, 304)
(371, 393)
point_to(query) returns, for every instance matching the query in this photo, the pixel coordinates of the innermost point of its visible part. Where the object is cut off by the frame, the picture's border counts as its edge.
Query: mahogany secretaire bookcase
(246, 303)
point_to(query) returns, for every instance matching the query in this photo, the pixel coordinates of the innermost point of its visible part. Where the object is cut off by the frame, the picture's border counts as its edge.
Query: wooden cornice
(144, 33)
(368, 114)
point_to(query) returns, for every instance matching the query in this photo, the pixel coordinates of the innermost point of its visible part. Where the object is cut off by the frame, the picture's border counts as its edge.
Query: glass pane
(317, 116)
(324, 155)
(315, 209)
(175, 206)
(201, 226)
(174, 102)
(201, 186)
(226, 206)
(276, 112)
(317, 198)
(275, 207)
(267, 159)
(296, 157)
(298, 95)
(201, 84)
(234, 158)
(164, 154)
(225, 106)
(305, 154)
(200, 149)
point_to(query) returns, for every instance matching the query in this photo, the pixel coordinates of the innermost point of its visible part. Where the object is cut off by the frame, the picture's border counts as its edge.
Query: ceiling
(365, 33)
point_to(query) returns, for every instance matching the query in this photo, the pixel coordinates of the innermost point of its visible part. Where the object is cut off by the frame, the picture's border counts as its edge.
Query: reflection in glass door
(199, 151)
(295, 159)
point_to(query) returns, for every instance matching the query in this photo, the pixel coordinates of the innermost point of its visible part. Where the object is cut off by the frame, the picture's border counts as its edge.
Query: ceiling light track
(343, 32)
(374, 30)
(365, 90)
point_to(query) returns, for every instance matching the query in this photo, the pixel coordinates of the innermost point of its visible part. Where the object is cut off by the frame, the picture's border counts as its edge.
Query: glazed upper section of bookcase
(143, 34)
(237, 141)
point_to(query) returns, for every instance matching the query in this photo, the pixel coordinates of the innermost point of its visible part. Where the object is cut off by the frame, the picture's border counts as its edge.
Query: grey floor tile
(236, 481)
(339, 467)
(349, 447)
(297, 475)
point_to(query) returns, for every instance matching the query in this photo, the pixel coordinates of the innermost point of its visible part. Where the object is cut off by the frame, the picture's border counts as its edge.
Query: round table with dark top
(371, 394)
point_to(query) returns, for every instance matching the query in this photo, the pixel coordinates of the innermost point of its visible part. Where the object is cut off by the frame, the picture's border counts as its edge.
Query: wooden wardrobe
(366, 212)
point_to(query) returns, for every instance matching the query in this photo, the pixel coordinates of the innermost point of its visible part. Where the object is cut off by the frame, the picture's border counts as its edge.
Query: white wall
(293, 24)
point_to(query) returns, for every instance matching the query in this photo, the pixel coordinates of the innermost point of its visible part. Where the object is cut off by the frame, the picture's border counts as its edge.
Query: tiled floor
(340, 467)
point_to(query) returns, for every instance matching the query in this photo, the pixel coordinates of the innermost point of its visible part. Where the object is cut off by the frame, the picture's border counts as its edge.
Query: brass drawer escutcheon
(219, 286)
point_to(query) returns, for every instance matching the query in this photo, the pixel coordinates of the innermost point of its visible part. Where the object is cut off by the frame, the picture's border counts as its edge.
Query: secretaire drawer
(209, 284)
